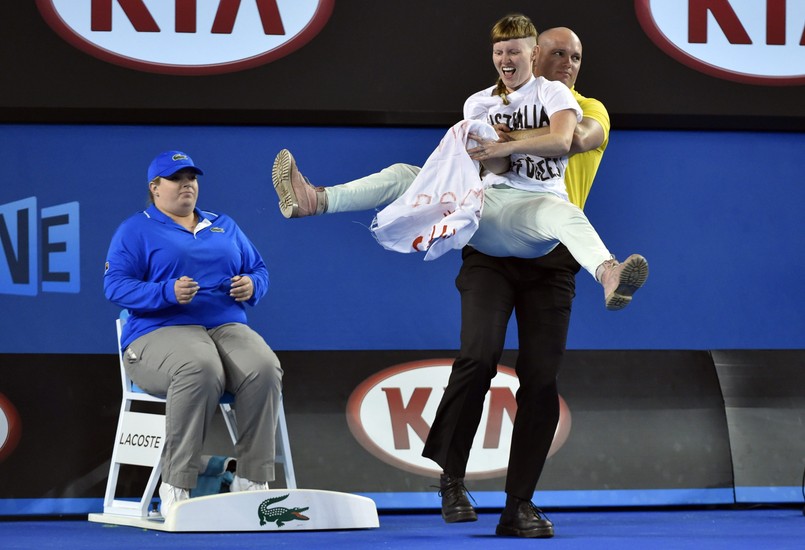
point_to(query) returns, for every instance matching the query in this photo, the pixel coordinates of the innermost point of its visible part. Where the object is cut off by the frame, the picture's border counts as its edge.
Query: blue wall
(717, 214)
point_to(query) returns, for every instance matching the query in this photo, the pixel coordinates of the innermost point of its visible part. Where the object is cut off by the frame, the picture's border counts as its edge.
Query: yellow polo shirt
(582, 167)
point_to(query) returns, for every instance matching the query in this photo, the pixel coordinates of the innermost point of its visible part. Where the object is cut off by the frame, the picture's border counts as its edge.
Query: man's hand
(185, 289)
(242, 288)
(504, 132)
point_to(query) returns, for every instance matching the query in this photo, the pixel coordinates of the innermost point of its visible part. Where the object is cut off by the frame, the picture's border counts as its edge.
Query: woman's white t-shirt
(531, 106)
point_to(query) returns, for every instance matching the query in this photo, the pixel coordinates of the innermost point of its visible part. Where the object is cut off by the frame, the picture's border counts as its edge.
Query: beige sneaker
(242, 484)
(298, 198)
(621, 281)
(170, 495)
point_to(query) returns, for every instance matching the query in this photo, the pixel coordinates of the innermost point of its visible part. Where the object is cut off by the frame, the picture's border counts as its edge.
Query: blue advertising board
(717, 214)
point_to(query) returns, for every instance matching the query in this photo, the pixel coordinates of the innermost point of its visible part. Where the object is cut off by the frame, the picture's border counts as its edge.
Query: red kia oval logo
(390, 415)
(10, 427)
(746, 41)
(187, 37)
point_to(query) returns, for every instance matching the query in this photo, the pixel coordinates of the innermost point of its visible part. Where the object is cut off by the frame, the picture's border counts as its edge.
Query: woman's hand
(185, 289)
(487, 149)
(242, 288)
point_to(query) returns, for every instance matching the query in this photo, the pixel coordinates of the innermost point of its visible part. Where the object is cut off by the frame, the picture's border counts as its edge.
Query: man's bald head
(559, 55)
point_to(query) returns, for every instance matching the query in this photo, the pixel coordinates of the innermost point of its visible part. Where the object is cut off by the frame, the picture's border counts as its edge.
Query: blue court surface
(733, 529)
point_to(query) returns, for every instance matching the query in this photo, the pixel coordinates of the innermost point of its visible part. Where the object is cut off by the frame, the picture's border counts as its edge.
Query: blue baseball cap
(168, 163)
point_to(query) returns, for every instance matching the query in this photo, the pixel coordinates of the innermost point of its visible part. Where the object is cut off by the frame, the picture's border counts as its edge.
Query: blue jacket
(149, 252)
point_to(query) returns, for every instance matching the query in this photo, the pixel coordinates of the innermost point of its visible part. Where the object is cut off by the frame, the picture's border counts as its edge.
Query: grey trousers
(192, 367)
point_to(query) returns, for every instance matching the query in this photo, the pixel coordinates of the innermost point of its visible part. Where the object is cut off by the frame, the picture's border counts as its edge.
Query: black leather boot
(520, 518)
(456, 506)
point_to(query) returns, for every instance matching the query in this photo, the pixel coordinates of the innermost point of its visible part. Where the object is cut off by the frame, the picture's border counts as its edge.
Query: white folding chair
(147, 428)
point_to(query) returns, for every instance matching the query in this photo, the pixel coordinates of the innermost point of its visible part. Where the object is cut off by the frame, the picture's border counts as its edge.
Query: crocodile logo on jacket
(279, 514)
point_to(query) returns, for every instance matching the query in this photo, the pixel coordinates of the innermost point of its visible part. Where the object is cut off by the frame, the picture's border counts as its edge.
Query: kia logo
(749, 41)
(390, 415)
(187, 37)
(10, 427)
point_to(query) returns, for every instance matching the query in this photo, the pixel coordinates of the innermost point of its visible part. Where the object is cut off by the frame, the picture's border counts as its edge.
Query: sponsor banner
(195, 37)
(390, 414)
(644, 424)
(727, 64)
(41, 248)
(746, 41)
(640, 420)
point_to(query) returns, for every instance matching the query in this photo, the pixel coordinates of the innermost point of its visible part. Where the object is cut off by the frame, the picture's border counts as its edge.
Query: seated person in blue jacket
(186, 275)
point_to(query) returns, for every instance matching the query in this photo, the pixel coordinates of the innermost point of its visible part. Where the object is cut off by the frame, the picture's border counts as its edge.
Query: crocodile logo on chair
(279, 514)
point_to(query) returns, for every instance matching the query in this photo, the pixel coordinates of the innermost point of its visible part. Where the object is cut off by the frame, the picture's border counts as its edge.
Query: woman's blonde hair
(511, 27)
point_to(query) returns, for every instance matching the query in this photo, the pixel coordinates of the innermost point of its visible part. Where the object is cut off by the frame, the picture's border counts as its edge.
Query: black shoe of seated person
(456, 506)
(520, 518)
